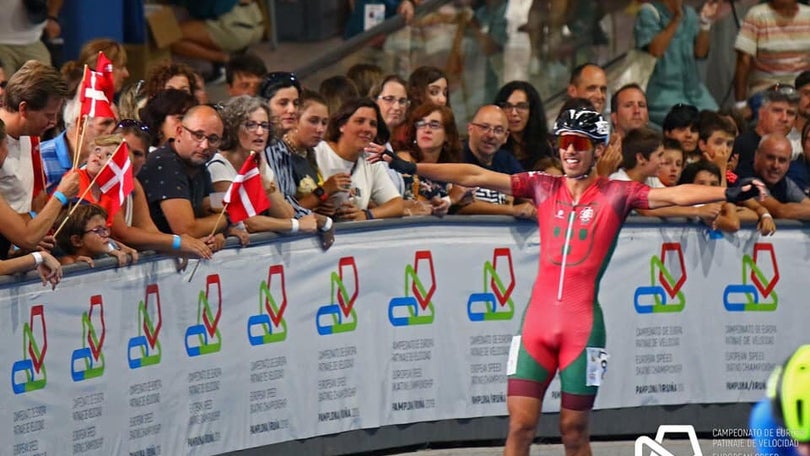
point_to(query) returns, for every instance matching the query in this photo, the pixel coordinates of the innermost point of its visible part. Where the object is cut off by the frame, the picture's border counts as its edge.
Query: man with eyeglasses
(177, 183)
(776, 115)
(487, 133)
(579, 215)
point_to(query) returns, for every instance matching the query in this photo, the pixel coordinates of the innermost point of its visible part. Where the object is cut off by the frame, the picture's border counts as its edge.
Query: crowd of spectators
(311, 146)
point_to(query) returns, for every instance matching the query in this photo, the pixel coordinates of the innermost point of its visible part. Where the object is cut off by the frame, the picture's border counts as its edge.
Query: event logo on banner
(206, 332)
(760, 275)
(88, 362)
(28, 374)
(656, 446)
(339, 316)
(265, 328)
(144, 349)
(667, 276)
(419, 308)
(495, 304)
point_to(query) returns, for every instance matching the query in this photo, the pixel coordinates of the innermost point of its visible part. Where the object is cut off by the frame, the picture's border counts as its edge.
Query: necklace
(291, 145)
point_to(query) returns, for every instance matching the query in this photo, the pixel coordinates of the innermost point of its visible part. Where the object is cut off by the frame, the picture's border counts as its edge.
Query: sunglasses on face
(580, 143)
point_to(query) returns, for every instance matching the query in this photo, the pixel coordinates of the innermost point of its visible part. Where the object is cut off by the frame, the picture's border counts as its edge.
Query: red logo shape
(210, 326)
(758, 247)
(502, 297)
(423, 255)
(276, 269)
(151, 337)
(38, 310)
(667, 247)
(95, 300)
(347, 262)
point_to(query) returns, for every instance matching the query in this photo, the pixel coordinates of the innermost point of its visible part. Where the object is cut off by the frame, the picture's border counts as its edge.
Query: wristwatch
(320, 193)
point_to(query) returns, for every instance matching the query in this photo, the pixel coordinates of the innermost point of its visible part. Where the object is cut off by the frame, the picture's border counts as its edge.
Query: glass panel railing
(482, 48)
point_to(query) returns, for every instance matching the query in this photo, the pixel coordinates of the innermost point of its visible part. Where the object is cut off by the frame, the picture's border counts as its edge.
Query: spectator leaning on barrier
(28, 234)
(132, 224)
(178, 186)
(433, 138)
(351, 132)
(247, 129)
(771, 161)
(33, 99)
(487, 134)
(85, 236)
(707, 173)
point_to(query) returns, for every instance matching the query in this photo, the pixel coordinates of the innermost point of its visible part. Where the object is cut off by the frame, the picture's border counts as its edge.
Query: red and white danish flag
(246, 197)
(97, 90)
(115, 179)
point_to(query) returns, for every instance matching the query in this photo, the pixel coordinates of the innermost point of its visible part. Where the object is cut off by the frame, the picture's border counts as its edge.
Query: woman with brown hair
(432, 138)
(355, 128)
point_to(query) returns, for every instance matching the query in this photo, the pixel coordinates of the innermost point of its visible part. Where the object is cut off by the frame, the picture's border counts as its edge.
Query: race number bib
(597, 366)
(514, 350)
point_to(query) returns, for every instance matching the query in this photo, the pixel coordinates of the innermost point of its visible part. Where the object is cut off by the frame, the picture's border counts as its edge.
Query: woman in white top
(247, 129)
(352, 131)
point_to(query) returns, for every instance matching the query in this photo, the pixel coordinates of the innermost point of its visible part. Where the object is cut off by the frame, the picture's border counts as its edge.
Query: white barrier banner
(280, 341)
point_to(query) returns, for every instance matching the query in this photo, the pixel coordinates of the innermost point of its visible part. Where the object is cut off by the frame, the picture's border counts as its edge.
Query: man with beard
(177, 183)
(563, 326)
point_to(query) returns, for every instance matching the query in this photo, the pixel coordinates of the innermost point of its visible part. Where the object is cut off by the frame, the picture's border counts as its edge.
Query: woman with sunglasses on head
(352, 131)
(247, 129)
(528, 137)
(164, 112)
(282, 91)
(132, 224)
(433, 138)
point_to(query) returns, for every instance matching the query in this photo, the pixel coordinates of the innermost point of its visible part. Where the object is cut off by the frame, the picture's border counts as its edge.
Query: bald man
(589, 81)
(771, 161)
(176, 181)
(487, 132)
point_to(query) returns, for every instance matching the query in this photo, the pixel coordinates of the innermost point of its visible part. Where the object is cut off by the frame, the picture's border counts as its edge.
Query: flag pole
(82, 120)
(213, 232)
(80, 142)
(84, 193)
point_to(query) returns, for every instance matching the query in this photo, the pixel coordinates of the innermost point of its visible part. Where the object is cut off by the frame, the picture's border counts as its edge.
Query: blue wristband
(176, 242)
(369, 215)
(61, 197)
